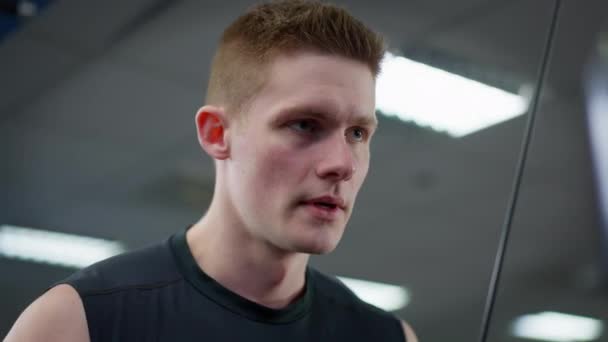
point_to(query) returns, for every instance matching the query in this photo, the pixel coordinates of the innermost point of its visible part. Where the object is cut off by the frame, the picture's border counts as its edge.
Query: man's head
(289, 116)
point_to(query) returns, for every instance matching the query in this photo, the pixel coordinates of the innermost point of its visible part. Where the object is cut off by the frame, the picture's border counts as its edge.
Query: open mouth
(323, 210)
(325, 205)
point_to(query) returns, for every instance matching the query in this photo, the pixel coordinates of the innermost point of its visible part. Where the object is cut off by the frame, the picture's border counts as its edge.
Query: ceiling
(96, 122)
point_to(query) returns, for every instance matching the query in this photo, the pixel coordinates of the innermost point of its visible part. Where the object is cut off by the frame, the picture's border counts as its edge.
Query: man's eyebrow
(319, 113)
(367, 121)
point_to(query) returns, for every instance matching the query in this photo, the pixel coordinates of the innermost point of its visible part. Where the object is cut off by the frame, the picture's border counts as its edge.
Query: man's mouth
(327, 203)
(324, 205)
(322, 210)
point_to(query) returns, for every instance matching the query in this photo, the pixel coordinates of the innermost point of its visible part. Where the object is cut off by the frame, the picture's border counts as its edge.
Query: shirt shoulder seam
(143, 286)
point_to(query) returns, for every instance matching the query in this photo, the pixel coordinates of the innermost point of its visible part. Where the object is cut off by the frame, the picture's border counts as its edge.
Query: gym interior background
(97, 139)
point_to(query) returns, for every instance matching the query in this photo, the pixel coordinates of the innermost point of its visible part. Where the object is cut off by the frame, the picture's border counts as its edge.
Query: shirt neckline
(231, 300)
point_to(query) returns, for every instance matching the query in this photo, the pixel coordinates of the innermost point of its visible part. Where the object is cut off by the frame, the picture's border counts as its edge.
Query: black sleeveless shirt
(159, 293)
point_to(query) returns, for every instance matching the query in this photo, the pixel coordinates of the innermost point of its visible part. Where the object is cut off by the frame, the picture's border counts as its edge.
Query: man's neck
(247, 266)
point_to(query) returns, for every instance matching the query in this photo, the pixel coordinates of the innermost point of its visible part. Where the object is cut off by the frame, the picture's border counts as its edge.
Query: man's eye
(358, 134)
(307, 126)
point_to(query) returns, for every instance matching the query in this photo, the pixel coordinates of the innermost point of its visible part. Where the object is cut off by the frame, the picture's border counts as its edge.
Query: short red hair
(249, 44)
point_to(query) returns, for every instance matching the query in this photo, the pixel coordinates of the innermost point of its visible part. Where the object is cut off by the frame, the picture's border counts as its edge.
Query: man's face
(301, 153)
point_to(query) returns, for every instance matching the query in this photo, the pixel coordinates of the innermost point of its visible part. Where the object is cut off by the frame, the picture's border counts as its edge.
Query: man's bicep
(57, 315)
(410, 336)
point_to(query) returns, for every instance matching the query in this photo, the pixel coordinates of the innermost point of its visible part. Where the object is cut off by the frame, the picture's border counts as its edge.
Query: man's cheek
(277, 167)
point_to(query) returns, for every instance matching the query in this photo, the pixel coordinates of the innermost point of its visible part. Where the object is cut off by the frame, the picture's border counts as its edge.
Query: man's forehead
(322, 84)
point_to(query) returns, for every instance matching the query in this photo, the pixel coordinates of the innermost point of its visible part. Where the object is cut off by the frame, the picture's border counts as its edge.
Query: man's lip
(337, 201)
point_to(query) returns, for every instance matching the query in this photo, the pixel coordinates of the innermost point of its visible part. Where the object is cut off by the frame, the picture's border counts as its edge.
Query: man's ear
(211, 126)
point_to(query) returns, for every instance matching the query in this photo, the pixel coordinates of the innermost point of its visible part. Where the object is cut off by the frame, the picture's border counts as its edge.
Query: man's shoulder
(57, 315)
(332, 289)
(148, 266)
(334, 296)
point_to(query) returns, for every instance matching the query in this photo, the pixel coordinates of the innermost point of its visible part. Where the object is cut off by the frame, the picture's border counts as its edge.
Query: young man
(289, 118)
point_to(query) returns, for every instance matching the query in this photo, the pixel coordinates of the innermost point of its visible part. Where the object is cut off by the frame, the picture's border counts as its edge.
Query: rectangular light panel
(558, 327)
(434, 98)
(55, 248)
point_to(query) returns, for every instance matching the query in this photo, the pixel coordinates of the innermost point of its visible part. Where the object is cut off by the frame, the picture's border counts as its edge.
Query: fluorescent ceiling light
(427, 96)
(55, 248)
(555, 326)
(384, 296)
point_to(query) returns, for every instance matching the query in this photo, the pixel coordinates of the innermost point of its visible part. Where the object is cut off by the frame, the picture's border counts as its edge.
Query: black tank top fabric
(159, 293)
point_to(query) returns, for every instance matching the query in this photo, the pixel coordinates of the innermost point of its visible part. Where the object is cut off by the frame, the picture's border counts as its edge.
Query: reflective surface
(554, 282)
(430, 214)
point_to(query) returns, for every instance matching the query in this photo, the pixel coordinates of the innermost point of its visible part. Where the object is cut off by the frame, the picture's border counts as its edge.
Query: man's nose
(337, 162)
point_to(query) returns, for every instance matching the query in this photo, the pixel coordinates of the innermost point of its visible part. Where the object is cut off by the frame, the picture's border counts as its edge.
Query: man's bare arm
(410, 336)
(58, 315)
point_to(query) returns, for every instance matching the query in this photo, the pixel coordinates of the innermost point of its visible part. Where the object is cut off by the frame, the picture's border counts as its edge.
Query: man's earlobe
(211, 130)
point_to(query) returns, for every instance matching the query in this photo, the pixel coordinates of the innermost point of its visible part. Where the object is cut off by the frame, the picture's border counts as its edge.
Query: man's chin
(317, 240)
(316, 251)
(315, 247)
